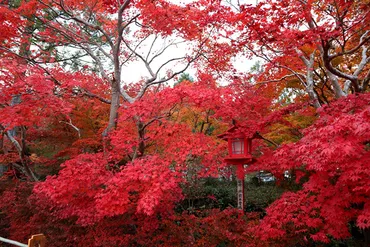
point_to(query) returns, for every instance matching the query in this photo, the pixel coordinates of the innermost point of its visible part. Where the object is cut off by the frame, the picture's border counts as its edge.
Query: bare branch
(167, 62)
(163, 50)
(87, 48)
(303, 58)
(364, 38)
(92, 95)
(151, 47)
(121, 27)
(366, 81)
(25, 168)
(34, 63)
(147, 65)
(73, 126)
(266, 58)
(151, 121)
(9, 241)
(93, 26)
(364, 61)
(300, 76)
(259, 136)
(277, 80)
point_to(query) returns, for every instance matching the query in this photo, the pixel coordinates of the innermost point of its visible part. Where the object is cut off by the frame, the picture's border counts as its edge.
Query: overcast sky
(136, 71)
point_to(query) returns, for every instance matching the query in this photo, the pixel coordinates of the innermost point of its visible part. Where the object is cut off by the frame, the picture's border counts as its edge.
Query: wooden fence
(37, 240)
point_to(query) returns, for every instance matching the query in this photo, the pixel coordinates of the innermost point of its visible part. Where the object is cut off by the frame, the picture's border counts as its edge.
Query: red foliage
(145, 186)
(335, 154)
(74, 190)
(123, 190)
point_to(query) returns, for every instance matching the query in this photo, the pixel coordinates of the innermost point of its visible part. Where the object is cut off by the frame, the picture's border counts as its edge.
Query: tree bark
(338, 92)
(139, 152)
(309, 78)
(113, 113)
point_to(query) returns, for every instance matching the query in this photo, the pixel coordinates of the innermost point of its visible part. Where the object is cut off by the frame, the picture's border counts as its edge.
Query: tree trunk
(310, 81)
(335, 84)
(113, 113)
(139, 152)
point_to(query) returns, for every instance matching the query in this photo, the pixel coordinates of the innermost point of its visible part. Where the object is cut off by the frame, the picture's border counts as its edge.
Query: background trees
(300, 40)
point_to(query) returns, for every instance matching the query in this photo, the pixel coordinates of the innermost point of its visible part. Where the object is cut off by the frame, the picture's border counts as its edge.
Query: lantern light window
(238, 146)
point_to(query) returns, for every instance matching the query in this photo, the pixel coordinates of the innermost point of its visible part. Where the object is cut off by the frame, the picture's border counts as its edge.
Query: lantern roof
(232, 132)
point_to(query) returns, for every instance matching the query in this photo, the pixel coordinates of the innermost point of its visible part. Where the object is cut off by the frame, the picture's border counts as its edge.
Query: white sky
(136, 71)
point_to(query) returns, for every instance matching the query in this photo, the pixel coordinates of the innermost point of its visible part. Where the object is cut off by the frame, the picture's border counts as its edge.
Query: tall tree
(315, 42)
(131, 31)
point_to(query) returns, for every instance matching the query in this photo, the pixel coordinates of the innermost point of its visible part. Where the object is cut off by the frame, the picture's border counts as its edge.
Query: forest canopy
(111, 113)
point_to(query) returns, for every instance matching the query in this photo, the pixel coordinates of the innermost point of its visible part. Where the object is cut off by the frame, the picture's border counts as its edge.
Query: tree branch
(73, 126)
(9, 241)
(363, 40)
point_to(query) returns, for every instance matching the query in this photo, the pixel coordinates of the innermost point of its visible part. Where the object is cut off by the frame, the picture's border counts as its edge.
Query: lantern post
(239, 147)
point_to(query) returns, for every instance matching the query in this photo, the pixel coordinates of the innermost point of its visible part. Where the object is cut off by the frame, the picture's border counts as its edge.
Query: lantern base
(239, 160)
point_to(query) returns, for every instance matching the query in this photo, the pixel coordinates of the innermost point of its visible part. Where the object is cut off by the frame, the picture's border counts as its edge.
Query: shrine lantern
(240, 148)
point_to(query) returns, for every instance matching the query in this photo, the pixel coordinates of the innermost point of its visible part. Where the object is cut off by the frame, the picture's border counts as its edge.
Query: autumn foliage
(90, 158)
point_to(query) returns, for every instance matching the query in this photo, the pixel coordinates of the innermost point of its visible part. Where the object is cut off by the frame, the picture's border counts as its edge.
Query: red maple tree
(107, 163)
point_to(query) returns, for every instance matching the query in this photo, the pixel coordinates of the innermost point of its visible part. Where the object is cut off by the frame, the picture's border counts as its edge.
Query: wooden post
(240, 193)
(37, 240)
